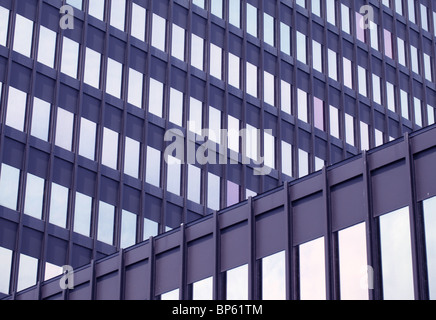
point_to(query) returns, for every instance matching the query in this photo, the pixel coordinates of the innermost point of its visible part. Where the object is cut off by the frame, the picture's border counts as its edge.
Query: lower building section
(361, 229)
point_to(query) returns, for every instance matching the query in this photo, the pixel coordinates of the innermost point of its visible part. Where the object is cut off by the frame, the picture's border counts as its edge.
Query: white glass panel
(5, 269)
(114, 77)
(349, 129)
(70, 57)
(46, 46)
(216, 61)
(110, 149)
(9, 183)
(213, 192)
(334, 122)
(251, 20)
(178, 43)
(194, 183)
(87, 138)
(301, 47)
(312, 270)
(118, 14)
(217, 8)
(285, 38)
(106, 214)
(158, 36)
(268, 33)
(4, 25)
(269, 151)
(203, 290)
(174, 175)
(234, 71)
(251, 79)
(269, 88)
(150, 229)
(333, 64)
(138, 21)
(348, 73)
(176, 107)
(96, 8)
(131, 159)
(303, 163)
(302, 105)
(197, 52)
(287, 158)
(34, 196)
(214, 125)
(64, 129)
(317, 55)
(82, 214)
(429, 207)
(27, 272)
(92, 68)
(155, 102)
(195, 116)
(152, 170)
(171, 296)
(58, 205)
(135, 88)
(52, 271)
(237, 283)
(23, 35)
(128, 229)
(285, 96)
(235, 13)
(273, 277)
(16, 110)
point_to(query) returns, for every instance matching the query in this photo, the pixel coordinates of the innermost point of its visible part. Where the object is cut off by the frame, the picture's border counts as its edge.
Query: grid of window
(160, 66)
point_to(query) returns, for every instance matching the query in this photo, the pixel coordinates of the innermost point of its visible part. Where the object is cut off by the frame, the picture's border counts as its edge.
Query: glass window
(232, 193)
(155, 101)
(174, 175)
(301, 3)
(216, 8)
(106, 215)
(404, 104)
(5, 269)
(27, 272)
(75, 3)
(176, 107)
(303, 163)
(411, 10)
(285, 38)
(131, 157)
(237, 283)
(286, 96)
(16, 109)
(331, 11)
(135, 88)
(178, 43)
(251, 79)
(364, 136)
(430, 115)
(4, 26)
(360, 30)
(428, 68)
(390, 92)
(287, 158)
(58, 205)
(312, 270)
(333, 64)
(233, 133)
(302, 105)
(46, 46)
(334, 122)
(318, 110)
(23, 35)
(216, 61)
(273, 277)
(252, 140)
(203, 290)
(64, 129)
(348, 73)
(82, 214)
(376, 89)
(70, 57)
(114, 77)
(128, 229)
(378, 137)
(34, 196)
(52, 271)
(110, 148)
(235, 13)
(317, 55)
(158, 36)
(199, 3)
(269, 88)
(251, 20)
(234, 70)
(396, 255)
(418, 111)
(399, 6)
(429, 207)
(316, 7)
(361, 72)
(118, 14)
(92, 68)
(96, 8)
(319, 164)
(269, 150)
(9, 183)
(150, 229)
(153, 163)
(345, 14)
(213, 191)
(171, 296)
(214, 125)
(138, 21)
(268, 29)
(195, 116)
(88, 131)
(301, 47)
(401, 52)
(388, 44)
(349, 129)
(197, 52)
(373, 28)
(353, 263)
(414, 59)
(194, 183)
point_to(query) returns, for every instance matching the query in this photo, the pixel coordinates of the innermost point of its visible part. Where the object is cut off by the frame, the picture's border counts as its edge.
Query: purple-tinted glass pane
(318, 108)
(360, 31)
(388, 44)
(232, 193)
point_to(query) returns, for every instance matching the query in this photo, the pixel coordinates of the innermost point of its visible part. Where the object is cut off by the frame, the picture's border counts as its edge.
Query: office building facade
(90, 90)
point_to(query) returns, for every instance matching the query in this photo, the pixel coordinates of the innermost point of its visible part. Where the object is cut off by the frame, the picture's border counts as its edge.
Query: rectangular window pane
(345, 14)
(88, 131)
(197, 52)
(174, 175)
(287, 158)
(251, 20)
(217, 8)
(92, 68)
(23, 35)
(301, 47)
(203, 290)
(251, 79)
(82, 214)
(349, 129)
(273, 277)
(135, 90)
(429, 207)
(269, 88)
(312, 270)
(70, 57)
(110, 149)
(333, 64)
(285, 38)
(235, 13)
(334, 122)
(213, 192)
(268, 33)
(46, 46)
(58, 205)
(16, 109)
(404, 104)
(64, 129)
(396, 255)
(194, 183)
(269, 150)
(216, 61)
(9, 183)
(118, 14)
(214, 125)
(155, 102)
(353, 262)
(131, 157)
(128, 229)
(302, 105)
(158, 36)
(195, 116)
(152, 170)
(303, 163)
(27, 272)
(150, 229)
(317, 55)
(176, 107)
(5, 269)
(96, 8)
(234, 71)
(331, 11)
(138, 21)
(286, 96)
(232, 193)
(361, 72)
(348, 73)
(4, 26)
(178, 43)
(106, 215)
(34, 196)
(114, 77)
(318, 110)
(237, 283)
